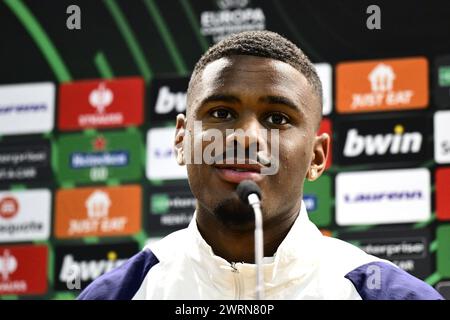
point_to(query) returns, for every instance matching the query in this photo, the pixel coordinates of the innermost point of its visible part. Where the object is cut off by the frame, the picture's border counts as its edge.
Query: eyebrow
(270, 99)
(221, 98)
(280, 100)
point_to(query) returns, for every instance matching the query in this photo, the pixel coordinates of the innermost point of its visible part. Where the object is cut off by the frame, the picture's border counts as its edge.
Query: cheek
(202, 146)
(193, 146)
(294, 156)
(195, 182)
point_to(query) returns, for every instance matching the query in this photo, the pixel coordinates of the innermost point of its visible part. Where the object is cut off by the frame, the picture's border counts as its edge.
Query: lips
(235, 173)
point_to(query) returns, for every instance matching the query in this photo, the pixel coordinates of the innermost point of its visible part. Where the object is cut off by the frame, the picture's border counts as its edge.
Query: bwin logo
(88, 270)
(398, 142)
(167, 101)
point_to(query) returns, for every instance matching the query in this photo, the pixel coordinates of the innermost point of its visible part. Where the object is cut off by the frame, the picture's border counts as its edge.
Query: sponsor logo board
(25, 215)
(383, 197)
(95, 158)
(443, 251)
(443, 193)
(442, 137)
(30, 104)
(382, 141)
(23, 270)
(101, 103)
(382, 85)
(161, 161)
(317, 199)
(325, 73)
(441, 81)
(171, 208)
(407, 248)
(27, 161)
(77, 266)
(98, 211)
(167, 98)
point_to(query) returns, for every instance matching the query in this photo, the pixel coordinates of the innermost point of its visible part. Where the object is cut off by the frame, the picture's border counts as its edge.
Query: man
(254, 81)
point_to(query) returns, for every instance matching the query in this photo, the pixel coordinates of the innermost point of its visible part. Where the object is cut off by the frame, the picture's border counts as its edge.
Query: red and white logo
(101, 103)
(23, 270)
(8, 207)
(443, 193)
(8, 264)
(101, 97)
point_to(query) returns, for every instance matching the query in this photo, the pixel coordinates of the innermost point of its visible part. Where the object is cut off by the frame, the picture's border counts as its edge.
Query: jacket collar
(295, 258)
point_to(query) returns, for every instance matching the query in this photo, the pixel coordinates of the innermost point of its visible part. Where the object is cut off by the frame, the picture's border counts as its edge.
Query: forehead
(242, 75)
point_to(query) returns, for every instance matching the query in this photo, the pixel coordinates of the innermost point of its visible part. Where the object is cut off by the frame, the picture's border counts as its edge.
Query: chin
(234, 214)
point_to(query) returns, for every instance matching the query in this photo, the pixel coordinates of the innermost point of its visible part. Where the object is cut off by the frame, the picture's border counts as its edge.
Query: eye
(221, 114)
(277, 119)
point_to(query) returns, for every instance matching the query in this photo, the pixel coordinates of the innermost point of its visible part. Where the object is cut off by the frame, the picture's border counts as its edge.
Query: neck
(237, 245)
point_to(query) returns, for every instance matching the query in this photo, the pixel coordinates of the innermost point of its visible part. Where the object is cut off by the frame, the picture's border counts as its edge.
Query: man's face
(253, 93)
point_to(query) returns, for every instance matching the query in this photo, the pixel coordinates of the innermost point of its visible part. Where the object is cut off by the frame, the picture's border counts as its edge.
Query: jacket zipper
(237, 281)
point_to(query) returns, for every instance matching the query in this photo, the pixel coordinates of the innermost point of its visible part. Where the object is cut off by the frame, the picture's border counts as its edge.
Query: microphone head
(247, 187)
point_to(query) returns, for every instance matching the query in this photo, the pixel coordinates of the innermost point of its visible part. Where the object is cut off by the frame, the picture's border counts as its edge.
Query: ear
(319, 158)
(179, 139)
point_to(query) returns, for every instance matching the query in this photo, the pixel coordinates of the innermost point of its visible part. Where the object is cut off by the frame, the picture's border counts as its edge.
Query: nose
(247, 137)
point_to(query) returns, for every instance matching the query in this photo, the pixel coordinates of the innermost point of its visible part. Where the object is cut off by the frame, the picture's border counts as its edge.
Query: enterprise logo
(82, 160)
(396, 249)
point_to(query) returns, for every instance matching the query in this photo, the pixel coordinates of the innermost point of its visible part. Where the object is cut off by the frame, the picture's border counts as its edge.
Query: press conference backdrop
(87, 170)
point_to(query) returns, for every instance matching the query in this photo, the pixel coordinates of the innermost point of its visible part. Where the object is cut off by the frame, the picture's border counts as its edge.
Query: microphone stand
(255, 203)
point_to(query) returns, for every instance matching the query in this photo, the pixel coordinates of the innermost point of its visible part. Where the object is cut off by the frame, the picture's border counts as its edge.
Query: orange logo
(8, 207)
(102, 211)
(384, 85)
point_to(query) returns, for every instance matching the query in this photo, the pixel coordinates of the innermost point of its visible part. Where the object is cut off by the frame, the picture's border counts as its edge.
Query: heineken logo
(111, 155)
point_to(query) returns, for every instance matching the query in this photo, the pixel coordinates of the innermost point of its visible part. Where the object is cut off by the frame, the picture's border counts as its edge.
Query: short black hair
(265, 44)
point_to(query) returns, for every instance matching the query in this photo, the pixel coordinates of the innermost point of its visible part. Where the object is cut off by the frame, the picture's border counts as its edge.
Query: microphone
(249, 193)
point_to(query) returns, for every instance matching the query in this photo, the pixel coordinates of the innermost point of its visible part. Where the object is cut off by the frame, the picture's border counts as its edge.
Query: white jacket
(307, 265)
